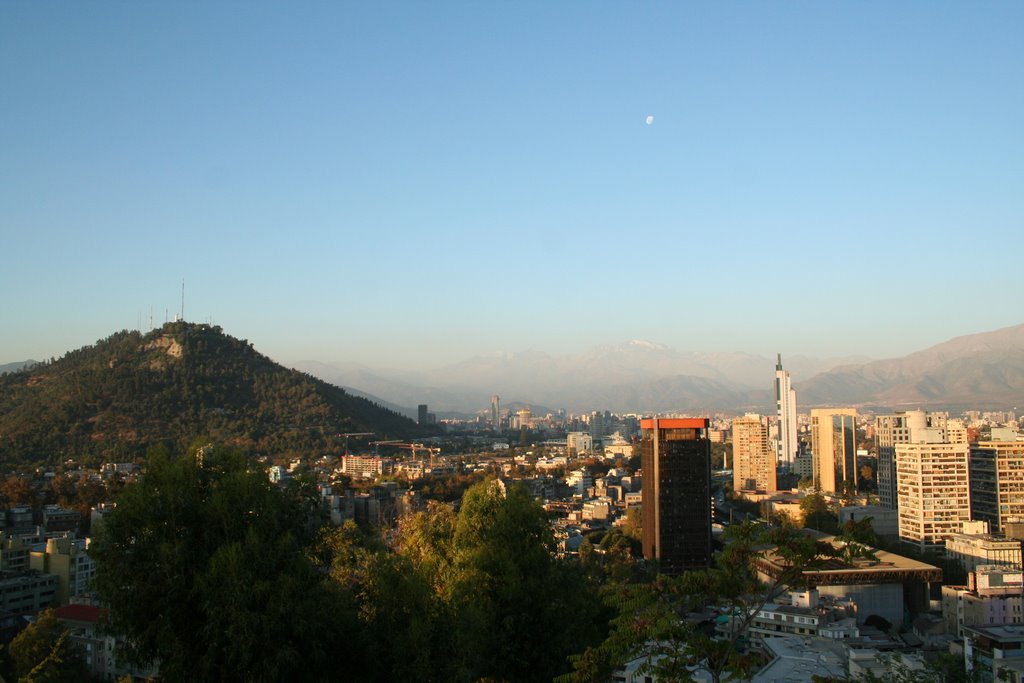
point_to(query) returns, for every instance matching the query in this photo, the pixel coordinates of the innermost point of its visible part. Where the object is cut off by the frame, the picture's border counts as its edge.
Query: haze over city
(406, 185)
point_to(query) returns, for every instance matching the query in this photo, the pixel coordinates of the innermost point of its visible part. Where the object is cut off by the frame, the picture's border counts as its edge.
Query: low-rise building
(68, 559)
(884, 521)
(24, 592)
(56, 518)
(994, 653)
(14, 553)
(98, 649)
(974, 549)
(366, 466)
(993, 595)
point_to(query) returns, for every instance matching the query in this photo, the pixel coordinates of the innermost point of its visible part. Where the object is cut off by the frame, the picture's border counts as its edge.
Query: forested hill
(115, 399)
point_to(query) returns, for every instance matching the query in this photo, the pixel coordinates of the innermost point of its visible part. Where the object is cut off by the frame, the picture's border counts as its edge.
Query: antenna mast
(182, 299)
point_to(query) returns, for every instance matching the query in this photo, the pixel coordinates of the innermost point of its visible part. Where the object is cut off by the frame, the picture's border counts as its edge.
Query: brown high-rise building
(753, 460)
(834, 444)
(675, 454)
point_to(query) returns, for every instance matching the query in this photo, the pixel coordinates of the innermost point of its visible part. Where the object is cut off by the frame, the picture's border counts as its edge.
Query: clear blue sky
(419, 182)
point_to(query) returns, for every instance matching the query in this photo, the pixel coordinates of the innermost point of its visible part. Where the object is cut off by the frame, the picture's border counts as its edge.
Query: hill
(14, 367)
(981, 371)
(128, 392)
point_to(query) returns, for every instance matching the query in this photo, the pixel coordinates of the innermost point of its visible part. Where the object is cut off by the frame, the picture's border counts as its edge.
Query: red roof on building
(676, 423)
(79, 613)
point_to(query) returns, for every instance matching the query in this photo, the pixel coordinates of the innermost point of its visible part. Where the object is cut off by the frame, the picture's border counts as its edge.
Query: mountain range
(983, 371)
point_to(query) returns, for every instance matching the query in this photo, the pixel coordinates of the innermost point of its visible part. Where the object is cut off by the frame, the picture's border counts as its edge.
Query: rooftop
(798, 658)
(889, 568)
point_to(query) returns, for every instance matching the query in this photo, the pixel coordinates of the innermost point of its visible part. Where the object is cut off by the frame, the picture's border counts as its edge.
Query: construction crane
(345, 435)
(389, 442)
(414, 447)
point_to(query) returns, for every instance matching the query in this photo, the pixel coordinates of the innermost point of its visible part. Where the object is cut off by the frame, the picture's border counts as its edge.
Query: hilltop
(130, 391)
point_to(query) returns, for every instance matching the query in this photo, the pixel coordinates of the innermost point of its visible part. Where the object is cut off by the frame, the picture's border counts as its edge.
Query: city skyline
(407, 186)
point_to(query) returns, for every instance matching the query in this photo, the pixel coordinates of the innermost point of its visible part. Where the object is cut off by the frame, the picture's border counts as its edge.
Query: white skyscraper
(785, 405)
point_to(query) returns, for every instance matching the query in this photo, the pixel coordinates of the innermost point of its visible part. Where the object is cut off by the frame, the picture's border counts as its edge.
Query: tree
(44, 652)
(652, 621)
(817, 513)
(202, 563)
(17, 490)
(473, 595)
(634, 523)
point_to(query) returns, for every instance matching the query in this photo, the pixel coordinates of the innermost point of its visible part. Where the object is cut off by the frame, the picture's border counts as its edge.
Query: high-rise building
(904, 426)
(675, 455)
(753, 460)
(421, 414)
(997, 482)
(495, 412)
(785, 406)
(834, 447)
(932, 492)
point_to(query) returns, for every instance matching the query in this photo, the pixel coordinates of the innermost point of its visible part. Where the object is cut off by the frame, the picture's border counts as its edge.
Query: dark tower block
(675, 455)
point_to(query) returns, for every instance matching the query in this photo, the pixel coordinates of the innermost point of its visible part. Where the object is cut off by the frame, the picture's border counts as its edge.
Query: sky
(408, 184)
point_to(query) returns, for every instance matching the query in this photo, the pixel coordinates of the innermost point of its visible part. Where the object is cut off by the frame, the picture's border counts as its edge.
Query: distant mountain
(131, 391)
(14, 367)
(980, 371)
(637, 376)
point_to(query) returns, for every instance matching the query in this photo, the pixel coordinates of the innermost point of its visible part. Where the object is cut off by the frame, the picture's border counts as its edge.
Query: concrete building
(834, 448)
(806, 615)
(26, 592)
(20, 520)
(932, 493)
(753, 460)
(803, 465)
(67, 559)
(56, 518)
(578, 442)
(975, 547)
(366, 466)
(888, 586)
(904, 426)
(14, 553)
(993, 595)
(997, 482)
(675, 455)
(884, 521)
(995, 651)
(99, 649)
(580, 481)
(785, 407)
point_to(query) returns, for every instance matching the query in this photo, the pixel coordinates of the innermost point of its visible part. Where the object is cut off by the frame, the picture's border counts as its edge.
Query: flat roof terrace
(887, 568)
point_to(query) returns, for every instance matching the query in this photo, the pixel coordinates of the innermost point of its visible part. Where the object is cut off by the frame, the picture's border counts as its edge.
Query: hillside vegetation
(115, 399)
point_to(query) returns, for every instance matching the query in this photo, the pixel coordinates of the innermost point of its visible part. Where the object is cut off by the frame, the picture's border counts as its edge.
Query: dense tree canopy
(202, 564)
(471, 595)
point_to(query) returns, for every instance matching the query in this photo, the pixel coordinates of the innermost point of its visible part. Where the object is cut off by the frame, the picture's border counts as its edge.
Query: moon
(649, 120)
